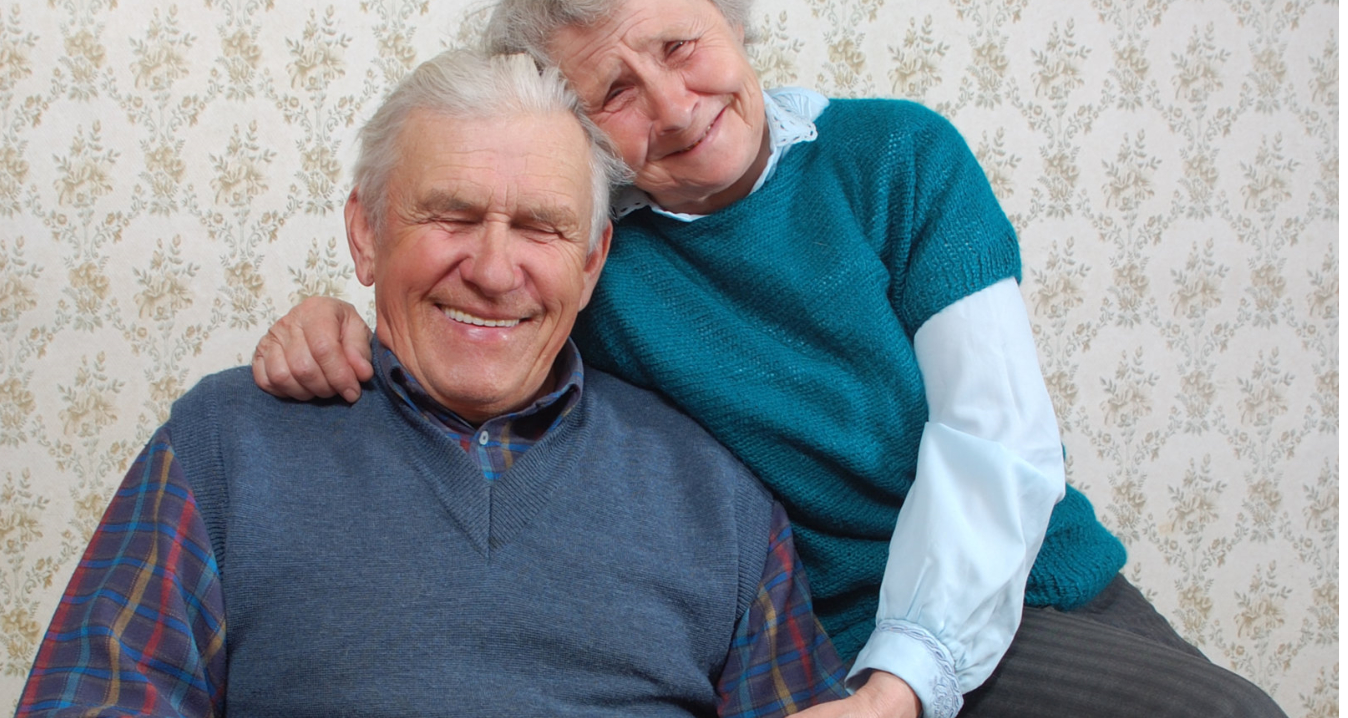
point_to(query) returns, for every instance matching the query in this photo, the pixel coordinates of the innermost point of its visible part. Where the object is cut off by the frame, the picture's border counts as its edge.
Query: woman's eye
(676, 46)
(614, 94)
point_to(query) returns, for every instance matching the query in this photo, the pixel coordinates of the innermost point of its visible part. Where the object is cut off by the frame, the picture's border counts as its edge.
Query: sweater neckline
(489, 512)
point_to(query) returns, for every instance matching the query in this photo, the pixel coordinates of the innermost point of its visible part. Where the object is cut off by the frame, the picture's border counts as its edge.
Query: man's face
(482, 264)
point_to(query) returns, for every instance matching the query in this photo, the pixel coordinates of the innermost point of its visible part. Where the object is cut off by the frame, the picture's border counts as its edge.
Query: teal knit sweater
(784, 325)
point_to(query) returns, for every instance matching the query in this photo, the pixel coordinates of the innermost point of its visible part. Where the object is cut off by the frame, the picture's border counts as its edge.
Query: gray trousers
(1115, 656)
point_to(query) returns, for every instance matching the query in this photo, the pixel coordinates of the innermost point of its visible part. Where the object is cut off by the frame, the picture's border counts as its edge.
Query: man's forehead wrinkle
(561, 202)
(553, 207)
(554, 214)
(438, 200)
(551, 184)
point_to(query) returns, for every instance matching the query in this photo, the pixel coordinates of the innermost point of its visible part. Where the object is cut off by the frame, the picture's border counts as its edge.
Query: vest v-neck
(492, 512)
(523, 491)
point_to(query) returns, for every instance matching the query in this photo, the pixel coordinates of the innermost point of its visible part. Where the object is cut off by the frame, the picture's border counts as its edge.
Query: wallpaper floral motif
(172, 173)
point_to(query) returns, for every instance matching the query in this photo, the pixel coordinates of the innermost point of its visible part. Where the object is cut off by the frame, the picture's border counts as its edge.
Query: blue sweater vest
(369, 569)
(784, 324)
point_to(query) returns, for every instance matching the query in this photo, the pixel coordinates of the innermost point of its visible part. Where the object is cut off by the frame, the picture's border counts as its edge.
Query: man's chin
(482, 402)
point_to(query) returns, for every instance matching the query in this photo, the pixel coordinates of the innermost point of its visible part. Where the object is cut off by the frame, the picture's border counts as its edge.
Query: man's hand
(884, 695)
(321, 348)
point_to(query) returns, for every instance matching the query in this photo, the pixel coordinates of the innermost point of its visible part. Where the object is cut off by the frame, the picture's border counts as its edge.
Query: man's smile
(466, 318)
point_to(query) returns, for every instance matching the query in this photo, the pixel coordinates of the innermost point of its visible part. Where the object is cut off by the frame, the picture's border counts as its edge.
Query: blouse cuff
(911, 652)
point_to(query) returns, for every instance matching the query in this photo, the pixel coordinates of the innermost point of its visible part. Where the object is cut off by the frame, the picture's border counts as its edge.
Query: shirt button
(482, 439)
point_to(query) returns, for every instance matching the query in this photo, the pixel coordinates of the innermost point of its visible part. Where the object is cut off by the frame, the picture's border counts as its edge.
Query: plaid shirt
(141, 628)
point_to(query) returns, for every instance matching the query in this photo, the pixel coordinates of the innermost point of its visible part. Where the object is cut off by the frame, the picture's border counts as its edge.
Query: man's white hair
(471, 85)
(528, 25)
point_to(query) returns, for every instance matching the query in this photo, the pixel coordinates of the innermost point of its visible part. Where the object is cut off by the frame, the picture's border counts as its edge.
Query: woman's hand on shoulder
(884, 695)
(320, 349)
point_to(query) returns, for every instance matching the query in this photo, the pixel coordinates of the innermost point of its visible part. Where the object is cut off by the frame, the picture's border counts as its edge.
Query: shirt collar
(554, 405)
(791, 112)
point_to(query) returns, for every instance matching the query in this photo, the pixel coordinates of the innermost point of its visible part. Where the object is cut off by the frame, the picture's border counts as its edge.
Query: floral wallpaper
(172, 173)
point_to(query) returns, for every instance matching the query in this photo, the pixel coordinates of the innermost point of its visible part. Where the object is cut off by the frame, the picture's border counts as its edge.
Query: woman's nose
(671, 103)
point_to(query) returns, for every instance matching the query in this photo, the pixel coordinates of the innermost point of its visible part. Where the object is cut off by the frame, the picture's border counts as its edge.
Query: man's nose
(491, 267)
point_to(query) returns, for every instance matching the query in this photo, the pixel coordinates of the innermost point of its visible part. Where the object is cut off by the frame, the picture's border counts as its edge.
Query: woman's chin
(702, 194)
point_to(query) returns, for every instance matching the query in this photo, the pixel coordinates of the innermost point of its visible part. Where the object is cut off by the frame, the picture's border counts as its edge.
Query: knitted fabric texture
(363, 555)
(784, 325)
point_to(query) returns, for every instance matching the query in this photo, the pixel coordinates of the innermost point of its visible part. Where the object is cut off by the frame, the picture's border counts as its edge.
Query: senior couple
(491, 524)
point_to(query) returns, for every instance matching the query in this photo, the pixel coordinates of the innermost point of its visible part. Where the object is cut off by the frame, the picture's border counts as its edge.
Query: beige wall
(171, 177)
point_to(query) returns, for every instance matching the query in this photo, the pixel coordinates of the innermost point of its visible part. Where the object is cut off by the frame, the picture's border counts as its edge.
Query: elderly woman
(829, 287)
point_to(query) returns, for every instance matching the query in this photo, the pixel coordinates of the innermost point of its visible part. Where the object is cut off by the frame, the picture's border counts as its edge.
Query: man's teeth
(466, 318)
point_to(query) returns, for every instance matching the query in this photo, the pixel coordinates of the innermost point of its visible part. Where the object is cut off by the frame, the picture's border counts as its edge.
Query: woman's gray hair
(528, 25)
(465, 84)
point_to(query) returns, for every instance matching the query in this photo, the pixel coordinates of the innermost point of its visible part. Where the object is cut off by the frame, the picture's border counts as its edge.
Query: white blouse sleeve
(989, 471)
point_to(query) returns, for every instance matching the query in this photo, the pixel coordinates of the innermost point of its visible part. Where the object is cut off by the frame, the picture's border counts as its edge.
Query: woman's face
(670, 82)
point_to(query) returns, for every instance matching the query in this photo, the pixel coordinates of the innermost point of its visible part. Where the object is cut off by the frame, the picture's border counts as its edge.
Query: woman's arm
(319, 349)
(989, 472)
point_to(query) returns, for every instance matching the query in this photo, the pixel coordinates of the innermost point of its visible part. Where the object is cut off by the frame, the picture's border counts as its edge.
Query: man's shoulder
(232, 398)
(233, 386)
(232, 379)
(236, 386)
(704, 486)
(636, 407)
(651, 419)
(614, 389)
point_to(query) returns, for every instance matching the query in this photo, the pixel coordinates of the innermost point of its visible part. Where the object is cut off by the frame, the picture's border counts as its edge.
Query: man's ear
(360, 238)
(594, 264)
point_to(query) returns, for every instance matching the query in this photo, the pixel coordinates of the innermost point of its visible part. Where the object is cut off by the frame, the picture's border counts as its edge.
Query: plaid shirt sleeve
(781, 661)
(140, 629)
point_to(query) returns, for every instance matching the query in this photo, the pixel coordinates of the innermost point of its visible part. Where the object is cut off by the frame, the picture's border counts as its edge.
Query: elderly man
(493, 529)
